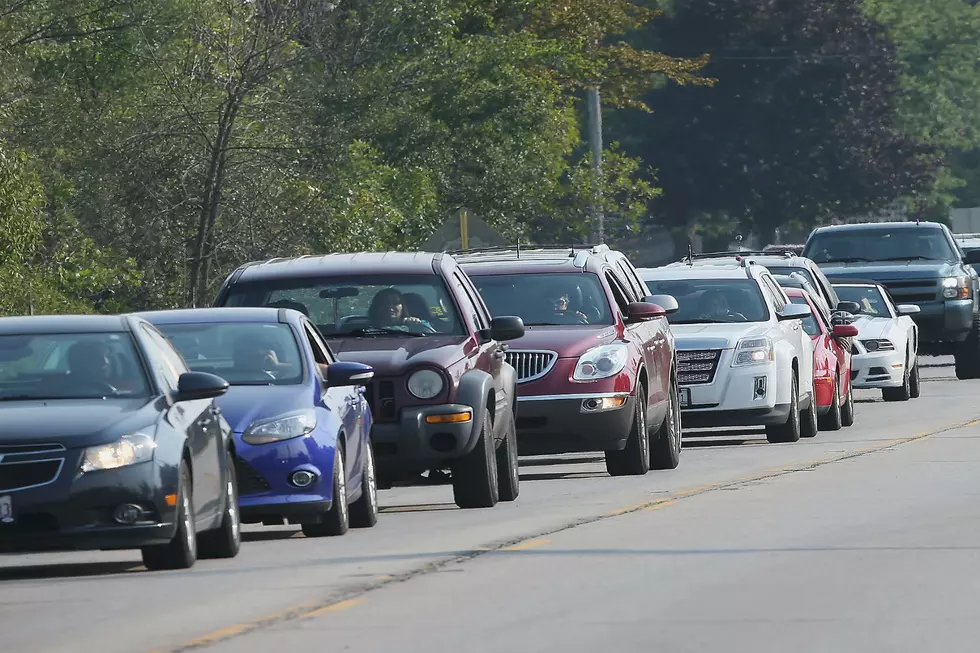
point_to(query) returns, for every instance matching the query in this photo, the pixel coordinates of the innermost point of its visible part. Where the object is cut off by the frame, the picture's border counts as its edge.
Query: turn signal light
(449, 418)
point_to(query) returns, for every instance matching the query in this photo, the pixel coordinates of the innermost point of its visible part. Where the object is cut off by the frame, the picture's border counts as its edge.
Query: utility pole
(595, 145)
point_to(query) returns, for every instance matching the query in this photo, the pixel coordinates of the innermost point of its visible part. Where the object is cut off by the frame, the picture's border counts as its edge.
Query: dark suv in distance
(442, 395)
(919, 263)
(596, 366)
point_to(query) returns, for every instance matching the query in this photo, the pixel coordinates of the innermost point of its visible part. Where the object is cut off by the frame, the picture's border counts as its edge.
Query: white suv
(743, 358)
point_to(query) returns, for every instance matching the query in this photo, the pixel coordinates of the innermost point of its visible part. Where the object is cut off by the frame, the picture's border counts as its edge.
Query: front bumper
(415, 445)
(552, 424)
(75, 511)
(878, 370)
(736, 396)
(944, 321)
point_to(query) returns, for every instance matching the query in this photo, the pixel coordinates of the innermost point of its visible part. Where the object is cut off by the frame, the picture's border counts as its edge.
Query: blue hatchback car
(301, 422)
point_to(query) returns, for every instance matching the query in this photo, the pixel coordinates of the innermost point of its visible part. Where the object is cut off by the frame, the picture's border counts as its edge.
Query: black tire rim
(341, 488)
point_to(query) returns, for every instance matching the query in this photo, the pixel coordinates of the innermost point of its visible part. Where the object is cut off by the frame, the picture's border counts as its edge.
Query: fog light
(601, 403)
(760, 387)
(128, 514)
(302, 478)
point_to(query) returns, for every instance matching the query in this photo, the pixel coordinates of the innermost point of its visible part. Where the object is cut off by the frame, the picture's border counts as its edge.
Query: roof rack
(738, 254)
(593, 249)
(964, 236)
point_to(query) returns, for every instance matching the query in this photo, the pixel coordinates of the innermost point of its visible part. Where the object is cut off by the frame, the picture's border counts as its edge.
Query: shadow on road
(69, 570)
(268, 536)
(551, 460)
(562, 476)
(419, 507)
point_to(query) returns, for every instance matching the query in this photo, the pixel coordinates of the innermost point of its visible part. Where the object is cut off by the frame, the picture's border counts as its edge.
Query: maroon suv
(596, 366)
(443, 394)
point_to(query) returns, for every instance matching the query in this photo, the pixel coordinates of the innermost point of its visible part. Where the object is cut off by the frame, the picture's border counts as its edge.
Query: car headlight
(956, 288)
(282, 427)
(425, 384)
(753, 351)
(127, 450)
(601, 362)
(878, 344)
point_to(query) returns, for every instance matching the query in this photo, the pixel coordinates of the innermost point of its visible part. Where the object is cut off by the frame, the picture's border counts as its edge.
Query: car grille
(531, 365)
(380, 396)
(697, 366)
(250, 481)
(913, 290)
(22, 475)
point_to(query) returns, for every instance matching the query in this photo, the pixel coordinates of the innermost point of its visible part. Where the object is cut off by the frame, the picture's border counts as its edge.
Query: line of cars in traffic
(316, 380)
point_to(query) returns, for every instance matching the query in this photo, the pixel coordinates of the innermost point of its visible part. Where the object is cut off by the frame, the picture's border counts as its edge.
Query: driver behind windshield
(558, 302)
(714, 306)
(387, 311)
(90, 364)
(255, 355)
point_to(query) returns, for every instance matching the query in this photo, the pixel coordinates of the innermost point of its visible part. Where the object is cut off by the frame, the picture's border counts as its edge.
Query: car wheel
(808, 420)
(474, 476)
(915, 388)
(508, 472)
(901, 393)
(364, 511)
(336, 520)
(181, 551)
(831, 420)
(665, 444)
(226, 540)
(968, 354)
(790, 430)
(847, 410)
(634, 459)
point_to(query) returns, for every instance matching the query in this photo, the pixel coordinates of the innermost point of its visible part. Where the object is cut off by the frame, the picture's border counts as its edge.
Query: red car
(596, 365)
(831, 364)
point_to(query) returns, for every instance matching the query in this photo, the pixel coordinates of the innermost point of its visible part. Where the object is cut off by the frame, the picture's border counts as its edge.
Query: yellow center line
(336, 607)
(524, 546)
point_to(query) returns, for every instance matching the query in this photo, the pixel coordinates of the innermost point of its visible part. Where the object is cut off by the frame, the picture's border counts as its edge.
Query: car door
(649, 344)
(199, 420)
(348, 399)
(792, 331)
(491, 354)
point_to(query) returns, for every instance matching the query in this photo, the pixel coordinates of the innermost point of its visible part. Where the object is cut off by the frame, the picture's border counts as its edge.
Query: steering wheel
(581, 318)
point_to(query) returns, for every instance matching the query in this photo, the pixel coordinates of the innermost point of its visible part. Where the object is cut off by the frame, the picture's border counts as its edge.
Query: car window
(173, 364)
(72, 365)
(542, 299)
(243, 353)
(778, 294)
(629, 280)
(385, 304)
(321, 352)
(707, 301)
(877, 244)
(869, 298)
(619, 292)
(474, 295)
(810, 324)
(472, 301)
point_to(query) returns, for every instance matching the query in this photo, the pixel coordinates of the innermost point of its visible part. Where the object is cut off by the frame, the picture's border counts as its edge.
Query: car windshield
(868, 297)
(240, 353)
(569, 298)
(856, 245)
(707, 301)
(71, 366)
(363, 306)
(810, 324)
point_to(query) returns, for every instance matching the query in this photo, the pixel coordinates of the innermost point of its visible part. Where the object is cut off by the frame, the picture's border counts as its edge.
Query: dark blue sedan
(301, 423)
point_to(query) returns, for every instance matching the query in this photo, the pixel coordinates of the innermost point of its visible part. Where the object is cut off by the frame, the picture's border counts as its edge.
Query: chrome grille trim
(694, 365)
(531, 364)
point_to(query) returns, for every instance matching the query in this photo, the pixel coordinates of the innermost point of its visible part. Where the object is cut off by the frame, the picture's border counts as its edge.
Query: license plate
(6, 510)
(685, 397)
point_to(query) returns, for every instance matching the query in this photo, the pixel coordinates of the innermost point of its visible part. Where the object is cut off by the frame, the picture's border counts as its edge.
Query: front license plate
(6, 510)
(685, 397)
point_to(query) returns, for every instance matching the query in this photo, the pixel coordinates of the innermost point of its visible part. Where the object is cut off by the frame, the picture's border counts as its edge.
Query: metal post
(464, 229)
(595, 145)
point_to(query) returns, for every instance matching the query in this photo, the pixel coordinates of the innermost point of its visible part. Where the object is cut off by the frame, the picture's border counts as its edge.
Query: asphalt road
(865, 539)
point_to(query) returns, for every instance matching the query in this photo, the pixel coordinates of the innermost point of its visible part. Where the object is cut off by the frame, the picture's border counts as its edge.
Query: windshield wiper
(377, 331)
(848, 259)
(915, 257)
(43, 398)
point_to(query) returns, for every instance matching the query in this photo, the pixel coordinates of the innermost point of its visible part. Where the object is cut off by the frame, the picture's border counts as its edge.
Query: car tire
(832, 419)
(335, 521)
(181, 551)
(634, 459)
(847, 409)
(364, 511)
(790, 430)
(808, 420)
(901, 393)
(474, 476)
(508, 468)
(915, 383)
(226, 540)
(968, 354)
(665, 444)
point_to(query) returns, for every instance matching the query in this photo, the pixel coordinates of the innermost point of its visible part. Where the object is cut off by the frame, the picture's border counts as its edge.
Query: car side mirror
(908, 309)
(666, 302)
(192, 386)
(504, 328)
(793, 312)
(972, 257)
(644, 311)
(845, 331)
(344, 373)
(849, 307)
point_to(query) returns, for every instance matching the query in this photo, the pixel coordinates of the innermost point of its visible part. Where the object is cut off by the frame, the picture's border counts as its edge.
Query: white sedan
(885, 352)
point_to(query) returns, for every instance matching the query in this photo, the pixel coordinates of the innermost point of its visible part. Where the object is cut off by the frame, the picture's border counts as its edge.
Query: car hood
(872, 327)
(891, 270)
(243, 404)
(569, 342)
(75, 423)
(688, 337)
(391, 355)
